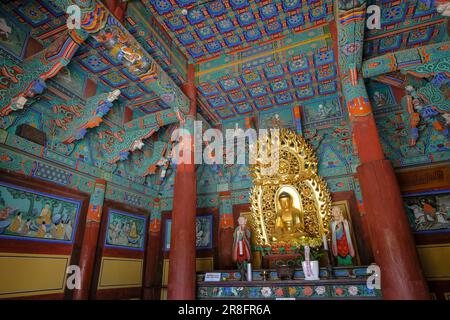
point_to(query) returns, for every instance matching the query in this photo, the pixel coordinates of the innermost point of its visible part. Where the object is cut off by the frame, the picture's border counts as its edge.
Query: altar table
(345, 283)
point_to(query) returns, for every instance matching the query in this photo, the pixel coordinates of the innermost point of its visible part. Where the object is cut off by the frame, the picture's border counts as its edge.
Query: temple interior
(123, 174)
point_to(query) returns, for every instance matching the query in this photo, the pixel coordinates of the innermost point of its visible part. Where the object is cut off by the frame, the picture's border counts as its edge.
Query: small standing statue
(341, 238)
(241, 246)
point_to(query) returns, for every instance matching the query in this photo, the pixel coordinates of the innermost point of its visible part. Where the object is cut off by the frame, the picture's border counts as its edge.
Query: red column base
(182, 275)
(153, 268)
(225, 249)
(87, 259)
(392, 241)
(151, 293)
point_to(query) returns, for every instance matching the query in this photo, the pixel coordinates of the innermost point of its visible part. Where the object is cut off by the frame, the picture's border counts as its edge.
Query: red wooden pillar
(391, 239)
(90, 238)
(226, 229)
(117, 7)
(392, 242)
(153, 258)
(182, 276)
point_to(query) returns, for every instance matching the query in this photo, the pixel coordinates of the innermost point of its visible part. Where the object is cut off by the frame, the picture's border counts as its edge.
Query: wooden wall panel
(118, 272)
(36, 268)
(31, 274)
(206, 259)
(203, 253)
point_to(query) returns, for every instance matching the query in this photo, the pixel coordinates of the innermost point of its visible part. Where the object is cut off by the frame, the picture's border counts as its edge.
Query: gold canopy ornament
(292, 205)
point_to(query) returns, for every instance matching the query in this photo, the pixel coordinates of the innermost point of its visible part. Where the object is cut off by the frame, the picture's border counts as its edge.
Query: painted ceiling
(296, 65)
(287, 71)
(405, 24)
(44, 21)
(285, 65)
(252, 57)
(220, 26)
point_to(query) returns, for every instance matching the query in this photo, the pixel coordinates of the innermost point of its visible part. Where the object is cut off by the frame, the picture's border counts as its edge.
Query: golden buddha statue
(291, 206)
(288, 217)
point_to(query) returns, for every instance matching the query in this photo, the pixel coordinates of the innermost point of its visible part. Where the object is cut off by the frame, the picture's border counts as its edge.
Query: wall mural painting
(72, 78)
(30, 215)
(428, 212)
(12, 37)
(278, 118)
(203, 232)
(125, 230)
(382, 98)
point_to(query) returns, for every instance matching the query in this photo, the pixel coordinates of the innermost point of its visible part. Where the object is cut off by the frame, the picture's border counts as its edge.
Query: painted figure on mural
(46, 214)
(428, 212)
(202, 232)
(12, 38)
(5, 213)
(324, 110)
(122, 234)
(341, 240)
(412, 104)
(273, 121)
(59, 230)
(26, 227)
(133, 231)
(68, 230)
(5, 30)
(42, 230)
(379, 98)
(424, 111)
(242, 246)
(16, 223)
(113, 231)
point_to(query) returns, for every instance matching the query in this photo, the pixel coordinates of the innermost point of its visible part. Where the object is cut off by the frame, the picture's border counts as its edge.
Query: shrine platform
(344, 283)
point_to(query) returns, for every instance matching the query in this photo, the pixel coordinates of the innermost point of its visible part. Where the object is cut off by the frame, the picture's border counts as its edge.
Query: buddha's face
(285, 201)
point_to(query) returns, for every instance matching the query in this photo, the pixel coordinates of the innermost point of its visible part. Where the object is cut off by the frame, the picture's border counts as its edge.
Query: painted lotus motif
(320, 290)
(353, 291)
(266, 292)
